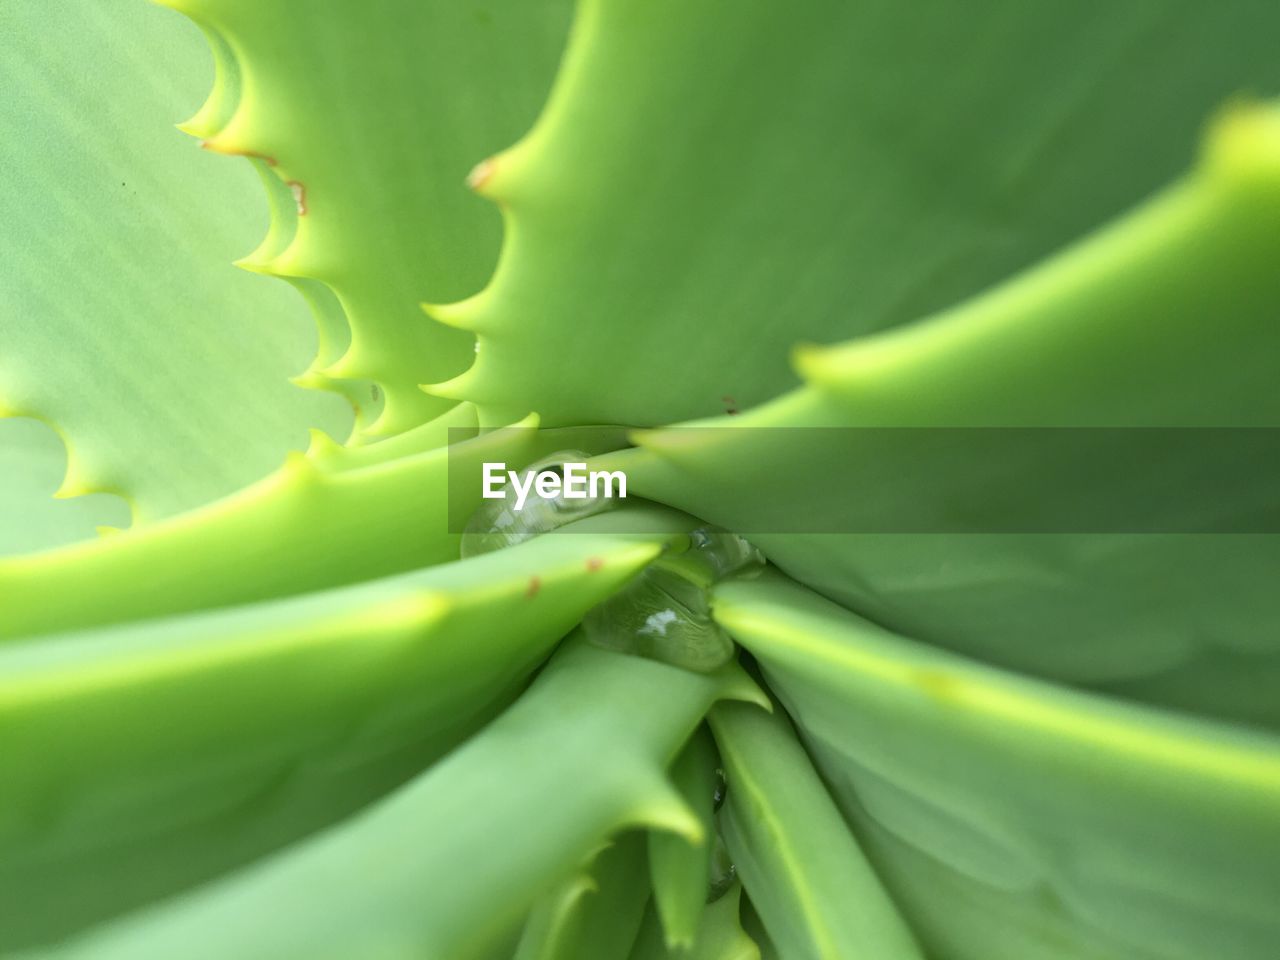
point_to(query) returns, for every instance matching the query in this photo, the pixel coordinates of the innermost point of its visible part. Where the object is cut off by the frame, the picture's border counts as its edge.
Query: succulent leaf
(369, 116)
(719, 935)
(310, 525)
(661, 229)
(1031, 685)
(125, 778)
(484, 868)
(1102, 335)
(122, 323)
(681, 869)
(815, 890)
(1012, 819)
(33, 461)
(596, 914)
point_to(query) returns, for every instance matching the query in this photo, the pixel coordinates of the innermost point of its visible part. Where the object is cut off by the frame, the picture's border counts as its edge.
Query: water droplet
(497, 524)
(665, 614)
(717, 793)
(723, 871)
(710, 555)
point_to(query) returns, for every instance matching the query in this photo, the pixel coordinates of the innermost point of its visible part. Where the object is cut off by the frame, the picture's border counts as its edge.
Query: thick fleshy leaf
(1109, 334)
(682, 870)
(142, 759)
(122, 321)
(596, 914)
(369, 116)
(753, 927)
(1015, 820)
(719, 935)
(442, 868)
(706, 186)
(323, 520)
(33, 461)
(805, 873)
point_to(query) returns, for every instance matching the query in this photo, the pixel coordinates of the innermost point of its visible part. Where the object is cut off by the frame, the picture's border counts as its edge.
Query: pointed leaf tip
(460, 315)
(661, 806)
(455, 388)
(480, 174)
(1242, 146)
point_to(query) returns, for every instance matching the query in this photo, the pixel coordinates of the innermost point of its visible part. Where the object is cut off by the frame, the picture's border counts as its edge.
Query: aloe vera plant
(817, 689)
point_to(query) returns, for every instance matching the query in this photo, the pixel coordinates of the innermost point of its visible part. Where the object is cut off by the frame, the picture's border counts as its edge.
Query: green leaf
(372, 115)
(1015, 820)
(594, 915)
(753, 927)
(142, 759)
(719, 936)
(813, 887)
(1106, 334)
(323, 520)
(442, 868)
(122, 321)
(33, 462)
(681, 870)
(706, 187)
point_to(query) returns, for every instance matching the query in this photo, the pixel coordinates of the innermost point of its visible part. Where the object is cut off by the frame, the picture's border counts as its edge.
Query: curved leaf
(441, 868)
(719, 935)
(122, 321)
(33, 461)
(371, 114)
(146, 758)
(707, 186)
(1015, 820)
(320, 521)
(1107, 334)
(681, 871)
(594, 915)
(817, 895)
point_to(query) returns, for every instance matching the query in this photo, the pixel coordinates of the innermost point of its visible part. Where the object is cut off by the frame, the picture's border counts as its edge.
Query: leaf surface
(703, 189)
(323, 520)
(719, 935)
(594, 915)
(441, 868)
(681, 871)
(143, 759)
(1016, 820)
(122, 321)
(816, 892)
(369, 116)
(1103, 338)
(33, 461)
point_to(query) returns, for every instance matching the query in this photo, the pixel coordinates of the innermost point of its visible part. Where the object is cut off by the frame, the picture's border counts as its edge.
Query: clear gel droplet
(725, 553)
(497, 524)
(723, 871)
(665, 614)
